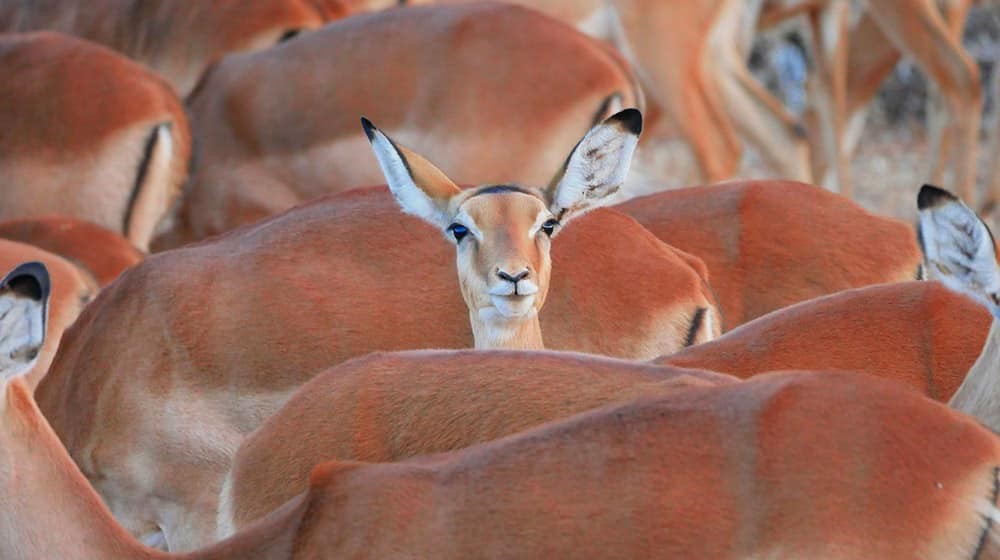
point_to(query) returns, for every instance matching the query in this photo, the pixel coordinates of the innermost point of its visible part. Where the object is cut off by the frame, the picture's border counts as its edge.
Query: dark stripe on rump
(696, 321)
(140, 176)
(988, 518)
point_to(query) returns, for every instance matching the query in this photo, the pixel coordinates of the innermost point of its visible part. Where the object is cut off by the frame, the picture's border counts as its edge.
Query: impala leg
(918, 29)
(871, 57)
(759, 117)
(671, 68)
(993, 175)
(827, 89)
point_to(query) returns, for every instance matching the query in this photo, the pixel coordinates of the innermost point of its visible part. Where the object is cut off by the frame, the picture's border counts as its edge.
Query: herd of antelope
(231, 325)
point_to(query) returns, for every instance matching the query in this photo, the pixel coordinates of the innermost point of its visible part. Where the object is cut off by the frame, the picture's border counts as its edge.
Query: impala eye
(459, 231)
(550, 226)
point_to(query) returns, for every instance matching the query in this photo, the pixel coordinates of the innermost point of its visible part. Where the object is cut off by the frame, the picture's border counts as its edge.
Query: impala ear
(24, 296)
(958, 247)
(420, 188)
(596, 168)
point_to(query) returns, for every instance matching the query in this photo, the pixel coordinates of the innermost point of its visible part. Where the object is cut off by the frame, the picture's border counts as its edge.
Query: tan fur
(76, 123)
(262, 150)
(103, 253)
(259, 311)
(72, 288)
(769, 244)
(176, 39)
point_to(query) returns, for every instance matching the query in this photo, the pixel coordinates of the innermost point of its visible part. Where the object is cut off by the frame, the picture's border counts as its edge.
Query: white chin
(513, 307)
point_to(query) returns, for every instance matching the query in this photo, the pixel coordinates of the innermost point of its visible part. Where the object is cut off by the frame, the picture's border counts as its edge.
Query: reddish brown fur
(71, 290)
(769, 244)
(420, 68)
(778, 464)
(919, 333)
(260, 310)
(387, 407)
(176, 38)
(76, 122)
(103, 253)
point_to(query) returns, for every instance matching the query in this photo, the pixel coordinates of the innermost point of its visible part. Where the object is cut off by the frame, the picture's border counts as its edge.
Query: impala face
(503, 232)
(503, 235)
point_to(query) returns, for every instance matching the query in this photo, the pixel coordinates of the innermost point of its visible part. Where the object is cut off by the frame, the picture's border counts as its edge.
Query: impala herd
(744, 369)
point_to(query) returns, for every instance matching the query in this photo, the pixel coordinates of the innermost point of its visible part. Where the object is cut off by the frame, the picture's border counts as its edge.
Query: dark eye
(550, 226)
(289, 35)
(459, 231)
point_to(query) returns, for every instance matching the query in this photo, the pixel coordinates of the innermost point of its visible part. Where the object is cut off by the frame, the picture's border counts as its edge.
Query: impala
(72, 288)
(391, 406)
(419, 73)
(768, 244)
(961, 253)
(88, 134)
(232, 326)
(621, 481)
(503, 232)
(695, 76)
(176, 39)
(858, 60)
(99, 252)
(917, 333)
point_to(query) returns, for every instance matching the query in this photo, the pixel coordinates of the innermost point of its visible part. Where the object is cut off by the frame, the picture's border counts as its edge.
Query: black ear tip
(30, 279)
(931, 196)
(630, 118)
(369, 128)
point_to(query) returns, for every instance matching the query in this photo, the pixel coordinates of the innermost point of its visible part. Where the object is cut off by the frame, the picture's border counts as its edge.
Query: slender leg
(918, 29)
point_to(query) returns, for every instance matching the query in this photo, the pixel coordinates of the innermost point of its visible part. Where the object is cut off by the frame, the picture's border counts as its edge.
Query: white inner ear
(596, 170)
(959, 251)
(410, 197)
(22, 326)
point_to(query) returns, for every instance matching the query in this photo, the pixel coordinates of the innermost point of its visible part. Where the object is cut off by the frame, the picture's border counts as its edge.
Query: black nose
(512, 279)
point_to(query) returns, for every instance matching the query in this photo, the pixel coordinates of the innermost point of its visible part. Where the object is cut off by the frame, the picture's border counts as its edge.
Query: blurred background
(890, 162)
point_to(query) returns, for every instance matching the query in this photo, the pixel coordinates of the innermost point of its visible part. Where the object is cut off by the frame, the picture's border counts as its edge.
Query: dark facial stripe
(497, 189)
(696, 321)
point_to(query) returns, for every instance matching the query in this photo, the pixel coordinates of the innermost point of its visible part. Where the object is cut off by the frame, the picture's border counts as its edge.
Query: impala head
(24, 295)
(958, 247)
(503, 232)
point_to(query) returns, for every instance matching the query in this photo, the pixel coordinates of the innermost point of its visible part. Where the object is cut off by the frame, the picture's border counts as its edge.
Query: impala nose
(512, 279)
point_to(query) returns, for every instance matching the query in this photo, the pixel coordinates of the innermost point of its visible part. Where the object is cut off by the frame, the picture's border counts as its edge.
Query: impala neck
(979, 394)
(519, 334)
(49, 509)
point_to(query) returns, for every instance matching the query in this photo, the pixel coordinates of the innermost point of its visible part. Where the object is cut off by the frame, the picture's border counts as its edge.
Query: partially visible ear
(24, 296)
(596, 168)
(958, 247)
(420, 188)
